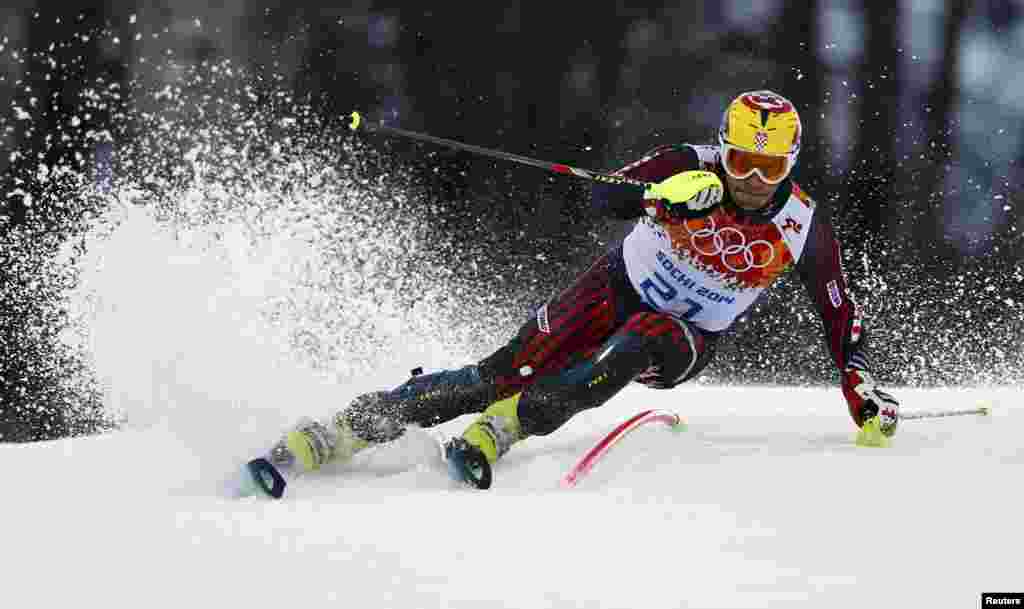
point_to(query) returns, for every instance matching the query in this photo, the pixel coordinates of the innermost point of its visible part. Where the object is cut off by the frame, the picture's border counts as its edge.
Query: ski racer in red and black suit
(716, 226)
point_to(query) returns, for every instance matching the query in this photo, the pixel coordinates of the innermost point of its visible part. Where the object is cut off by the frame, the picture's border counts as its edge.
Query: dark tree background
(913, 137)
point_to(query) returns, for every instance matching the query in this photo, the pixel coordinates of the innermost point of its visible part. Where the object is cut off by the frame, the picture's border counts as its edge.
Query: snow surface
(763, 502)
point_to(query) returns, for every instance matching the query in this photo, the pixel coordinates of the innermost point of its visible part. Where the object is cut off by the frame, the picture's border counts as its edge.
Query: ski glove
(867, 401)
(686, 195)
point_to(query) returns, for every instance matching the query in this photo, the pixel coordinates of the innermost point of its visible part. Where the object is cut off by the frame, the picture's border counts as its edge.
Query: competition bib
(712, 269)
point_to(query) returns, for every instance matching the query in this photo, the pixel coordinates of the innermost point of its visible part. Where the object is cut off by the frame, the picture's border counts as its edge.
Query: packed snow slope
(763, 502)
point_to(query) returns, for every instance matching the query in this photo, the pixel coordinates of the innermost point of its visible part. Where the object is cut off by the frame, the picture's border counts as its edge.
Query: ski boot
(307, 447)
(471, 455)
(311, 444)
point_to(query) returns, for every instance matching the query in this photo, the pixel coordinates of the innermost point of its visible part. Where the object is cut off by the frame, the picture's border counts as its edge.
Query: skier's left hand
(866, 400)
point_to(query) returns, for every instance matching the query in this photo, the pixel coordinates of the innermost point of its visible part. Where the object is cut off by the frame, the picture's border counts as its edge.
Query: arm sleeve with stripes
(625, 201)
(820, 269)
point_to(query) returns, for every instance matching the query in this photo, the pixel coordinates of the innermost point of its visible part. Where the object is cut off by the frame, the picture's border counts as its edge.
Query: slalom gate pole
(935, 414)
(585, 464)
(357, 124)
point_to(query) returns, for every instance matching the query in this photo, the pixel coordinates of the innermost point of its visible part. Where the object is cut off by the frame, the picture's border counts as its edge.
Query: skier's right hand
(867, 401)
(686, 195)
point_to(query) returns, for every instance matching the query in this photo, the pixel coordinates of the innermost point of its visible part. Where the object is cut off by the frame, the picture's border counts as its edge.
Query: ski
(260, 477)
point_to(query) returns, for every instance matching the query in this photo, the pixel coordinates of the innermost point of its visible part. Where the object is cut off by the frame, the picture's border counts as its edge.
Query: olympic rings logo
(730, 248)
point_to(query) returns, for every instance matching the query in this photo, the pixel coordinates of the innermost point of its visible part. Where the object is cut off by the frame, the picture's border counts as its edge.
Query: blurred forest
(914, 133)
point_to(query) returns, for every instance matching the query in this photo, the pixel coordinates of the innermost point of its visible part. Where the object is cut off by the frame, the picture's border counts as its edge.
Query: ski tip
(267, 477)
(985, 409)
(356, 120)
(467, 464)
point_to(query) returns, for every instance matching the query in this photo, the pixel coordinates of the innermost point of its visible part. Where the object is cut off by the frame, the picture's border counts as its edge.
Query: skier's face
(751, 193)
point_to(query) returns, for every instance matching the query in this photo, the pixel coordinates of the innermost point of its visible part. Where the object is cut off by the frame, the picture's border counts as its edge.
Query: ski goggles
(741, 164)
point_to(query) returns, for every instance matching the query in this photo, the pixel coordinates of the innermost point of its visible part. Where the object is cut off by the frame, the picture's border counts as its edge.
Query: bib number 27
(658, 292)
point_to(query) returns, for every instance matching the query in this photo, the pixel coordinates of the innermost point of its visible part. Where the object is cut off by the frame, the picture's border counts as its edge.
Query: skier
(649, 310)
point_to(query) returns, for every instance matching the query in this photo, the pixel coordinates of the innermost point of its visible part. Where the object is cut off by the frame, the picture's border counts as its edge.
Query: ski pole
(934, 414)
(358, 123)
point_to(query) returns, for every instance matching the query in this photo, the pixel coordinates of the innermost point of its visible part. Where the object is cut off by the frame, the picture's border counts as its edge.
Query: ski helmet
(760, 132)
